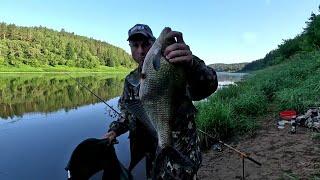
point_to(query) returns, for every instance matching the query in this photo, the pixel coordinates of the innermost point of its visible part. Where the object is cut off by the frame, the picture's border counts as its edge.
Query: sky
(217, 31)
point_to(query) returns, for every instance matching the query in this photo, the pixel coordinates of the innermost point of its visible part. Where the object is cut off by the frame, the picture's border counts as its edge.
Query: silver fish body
(161, 84)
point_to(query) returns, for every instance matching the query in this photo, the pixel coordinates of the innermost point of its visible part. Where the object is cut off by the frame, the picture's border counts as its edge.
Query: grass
(235, 110)
(61, 68)
(289, 175)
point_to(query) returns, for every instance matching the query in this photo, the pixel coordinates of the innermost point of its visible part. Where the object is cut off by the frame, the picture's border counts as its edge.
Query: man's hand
(111, 136)
(178, 52)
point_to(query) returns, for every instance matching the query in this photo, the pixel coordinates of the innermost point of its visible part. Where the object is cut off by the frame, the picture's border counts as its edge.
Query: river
(43, 117)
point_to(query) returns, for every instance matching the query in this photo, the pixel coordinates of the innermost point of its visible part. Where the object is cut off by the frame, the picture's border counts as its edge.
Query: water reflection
(45, 93)
(52, 115)
(225, 79)
(39, 145)
(44, 116)
(23, 93)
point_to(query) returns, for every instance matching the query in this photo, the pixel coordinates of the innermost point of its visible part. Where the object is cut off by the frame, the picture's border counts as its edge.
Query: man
(202, 81)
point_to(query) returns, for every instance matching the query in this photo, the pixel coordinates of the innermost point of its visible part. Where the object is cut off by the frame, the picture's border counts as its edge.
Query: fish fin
(169, 154)
(145, 137)
(135, 108)
(173, 154)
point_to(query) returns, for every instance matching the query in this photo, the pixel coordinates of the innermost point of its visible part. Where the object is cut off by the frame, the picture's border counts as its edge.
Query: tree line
(220, 67)
(307, 41)
(49, 93)
(40, 46)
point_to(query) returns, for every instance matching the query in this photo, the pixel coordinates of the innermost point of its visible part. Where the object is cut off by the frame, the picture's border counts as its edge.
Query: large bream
(161, 83)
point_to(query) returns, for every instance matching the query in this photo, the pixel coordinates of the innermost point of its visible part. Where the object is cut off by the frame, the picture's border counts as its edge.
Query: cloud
(249, 37)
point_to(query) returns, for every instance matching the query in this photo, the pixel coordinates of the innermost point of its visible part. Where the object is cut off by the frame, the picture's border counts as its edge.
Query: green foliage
(290, 47)
(306, 94)
(294, 84)
(47, 92)
(251, 102)
(219, 116)
(70, 51)
(2, 62)
(39, 46)
(219, 67)
(216, 117)
(230, 93)
(63, 68)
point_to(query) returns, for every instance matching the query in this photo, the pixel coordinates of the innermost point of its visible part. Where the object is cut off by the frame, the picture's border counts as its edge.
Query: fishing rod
(114, 141)
(80, 83)
(242, 154)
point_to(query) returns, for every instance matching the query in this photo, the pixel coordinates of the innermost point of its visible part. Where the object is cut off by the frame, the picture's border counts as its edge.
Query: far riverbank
(62, 69)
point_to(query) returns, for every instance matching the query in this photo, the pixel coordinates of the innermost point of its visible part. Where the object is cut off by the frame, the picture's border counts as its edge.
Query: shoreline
(283, 155)
(63, 69)
(62, 72)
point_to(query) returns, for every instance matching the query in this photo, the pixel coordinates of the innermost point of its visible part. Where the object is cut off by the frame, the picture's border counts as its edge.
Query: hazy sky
(218, 31)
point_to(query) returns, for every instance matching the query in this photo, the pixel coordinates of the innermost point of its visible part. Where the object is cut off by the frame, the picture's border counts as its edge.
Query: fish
(160, 84)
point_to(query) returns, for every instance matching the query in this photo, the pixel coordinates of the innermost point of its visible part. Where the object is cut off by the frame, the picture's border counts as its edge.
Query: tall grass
(234, 110)
(216, 117)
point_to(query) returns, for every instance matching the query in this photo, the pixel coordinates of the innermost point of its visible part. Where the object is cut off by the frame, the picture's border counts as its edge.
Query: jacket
(201, 82)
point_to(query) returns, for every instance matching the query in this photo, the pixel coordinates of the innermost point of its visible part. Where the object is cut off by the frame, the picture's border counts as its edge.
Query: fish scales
(162, 82)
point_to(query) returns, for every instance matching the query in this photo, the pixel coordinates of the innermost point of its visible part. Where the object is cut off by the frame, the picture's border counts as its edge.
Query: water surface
(43, 117)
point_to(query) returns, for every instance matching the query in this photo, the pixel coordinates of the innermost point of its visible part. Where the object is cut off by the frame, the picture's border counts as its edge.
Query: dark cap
(140, 29)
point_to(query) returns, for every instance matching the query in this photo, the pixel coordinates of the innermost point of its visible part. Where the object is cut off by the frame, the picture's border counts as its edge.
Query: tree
(110, 62)
(69, 51)
(40, 45)
(3, 30)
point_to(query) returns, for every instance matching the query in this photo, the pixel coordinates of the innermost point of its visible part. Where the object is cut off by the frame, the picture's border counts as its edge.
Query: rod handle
(251, 159)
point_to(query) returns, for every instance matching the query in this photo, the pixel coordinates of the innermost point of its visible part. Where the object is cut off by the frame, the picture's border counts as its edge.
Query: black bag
(93, 155)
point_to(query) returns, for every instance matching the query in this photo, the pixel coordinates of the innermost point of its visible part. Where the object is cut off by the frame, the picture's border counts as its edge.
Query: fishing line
(243, 155)
(81, 84)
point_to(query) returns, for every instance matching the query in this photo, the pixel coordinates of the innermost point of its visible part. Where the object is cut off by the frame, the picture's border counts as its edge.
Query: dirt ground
(283, 155)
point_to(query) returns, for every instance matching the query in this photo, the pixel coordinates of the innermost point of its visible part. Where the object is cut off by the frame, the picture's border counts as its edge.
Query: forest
(40, 46)
(221, 67)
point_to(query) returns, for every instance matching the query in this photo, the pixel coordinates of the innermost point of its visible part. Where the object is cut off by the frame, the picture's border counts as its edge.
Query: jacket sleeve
(121, 125)
(202, 80)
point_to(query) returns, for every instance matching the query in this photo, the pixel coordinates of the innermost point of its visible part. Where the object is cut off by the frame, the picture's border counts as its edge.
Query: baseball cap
(140, 29)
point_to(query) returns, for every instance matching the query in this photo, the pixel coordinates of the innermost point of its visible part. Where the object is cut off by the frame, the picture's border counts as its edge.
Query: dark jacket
(202, 81)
